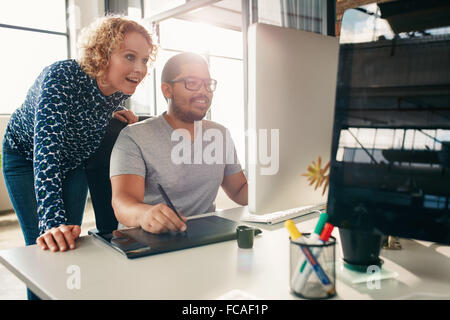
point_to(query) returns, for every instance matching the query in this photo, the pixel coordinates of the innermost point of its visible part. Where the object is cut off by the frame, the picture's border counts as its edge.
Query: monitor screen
(390, 160)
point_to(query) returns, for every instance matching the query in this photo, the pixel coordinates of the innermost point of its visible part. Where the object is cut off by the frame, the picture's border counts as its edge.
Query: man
(173, 150)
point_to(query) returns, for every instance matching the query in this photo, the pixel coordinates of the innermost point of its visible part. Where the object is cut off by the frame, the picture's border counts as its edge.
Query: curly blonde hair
(102, 37)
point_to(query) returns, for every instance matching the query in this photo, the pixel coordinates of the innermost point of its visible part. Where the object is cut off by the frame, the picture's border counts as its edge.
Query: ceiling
(225, 13)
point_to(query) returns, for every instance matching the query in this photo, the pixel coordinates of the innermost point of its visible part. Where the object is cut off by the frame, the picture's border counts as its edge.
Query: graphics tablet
(135, 242)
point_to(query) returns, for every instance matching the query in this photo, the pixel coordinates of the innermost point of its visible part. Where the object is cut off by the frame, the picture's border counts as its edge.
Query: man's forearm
(128, 211)
(241, 197)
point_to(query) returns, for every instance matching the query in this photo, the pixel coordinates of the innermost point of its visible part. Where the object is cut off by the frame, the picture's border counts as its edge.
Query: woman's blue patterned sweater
(61, 123)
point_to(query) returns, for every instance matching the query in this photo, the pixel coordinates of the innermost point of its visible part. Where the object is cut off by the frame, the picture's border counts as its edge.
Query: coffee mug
(245, 236)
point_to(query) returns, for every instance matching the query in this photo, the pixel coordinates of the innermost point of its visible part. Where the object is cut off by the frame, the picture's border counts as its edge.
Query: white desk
(211, 271)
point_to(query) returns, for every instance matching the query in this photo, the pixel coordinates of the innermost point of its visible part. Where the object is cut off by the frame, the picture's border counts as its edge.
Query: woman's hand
(60, 238)
(127, 116)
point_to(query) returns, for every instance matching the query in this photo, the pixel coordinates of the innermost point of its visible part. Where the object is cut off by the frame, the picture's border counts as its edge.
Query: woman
(61, 124)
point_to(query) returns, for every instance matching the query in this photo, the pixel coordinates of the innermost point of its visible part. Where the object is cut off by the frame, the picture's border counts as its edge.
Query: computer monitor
(292, 81)
(390, 167)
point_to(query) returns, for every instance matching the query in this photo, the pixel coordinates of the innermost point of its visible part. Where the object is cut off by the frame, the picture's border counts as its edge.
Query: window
(308, 15)
(33, 35)
(365, 145)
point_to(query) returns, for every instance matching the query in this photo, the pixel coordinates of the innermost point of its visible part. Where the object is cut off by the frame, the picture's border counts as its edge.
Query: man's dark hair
(172, 67)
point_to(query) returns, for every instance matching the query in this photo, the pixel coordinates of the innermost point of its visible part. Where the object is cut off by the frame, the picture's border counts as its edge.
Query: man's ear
(166, 90)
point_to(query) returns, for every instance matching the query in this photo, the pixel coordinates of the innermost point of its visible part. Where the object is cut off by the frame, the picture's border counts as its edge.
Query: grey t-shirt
(190, 172)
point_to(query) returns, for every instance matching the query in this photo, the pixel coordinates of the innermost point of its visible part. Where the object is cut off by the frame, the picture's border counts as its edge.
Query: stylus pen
(167, 200)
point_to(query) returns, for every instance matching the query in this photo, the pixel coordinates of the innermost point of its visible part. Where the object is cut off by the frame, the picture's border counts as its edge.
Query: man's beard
(185, 116)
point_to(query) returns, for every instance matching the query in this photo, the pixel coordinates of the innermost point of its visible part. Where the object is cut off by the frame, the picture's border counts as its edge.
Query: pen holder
(312, 269)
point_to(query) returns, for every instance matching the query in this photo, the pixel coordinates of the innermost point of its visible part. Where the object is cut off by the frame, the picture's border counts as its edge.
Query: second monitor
(292, 84)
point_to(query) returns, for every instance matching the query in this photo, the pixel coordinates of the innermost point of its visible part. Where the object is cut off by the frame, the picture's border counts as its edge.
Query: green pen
(315, 237)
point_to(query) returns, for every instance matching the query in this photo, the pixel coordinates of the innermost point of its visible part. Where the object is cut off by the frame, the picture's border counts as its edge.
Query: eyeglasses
(194, 84)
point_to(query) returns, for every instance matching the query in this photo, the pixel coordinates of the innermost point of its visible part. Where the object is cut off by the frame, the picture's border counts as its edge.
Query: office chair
(97, 172)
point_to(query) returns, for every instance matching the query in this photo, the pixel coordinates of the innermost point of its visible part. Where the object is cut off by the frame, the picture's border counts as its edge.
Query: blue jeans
(19, 179)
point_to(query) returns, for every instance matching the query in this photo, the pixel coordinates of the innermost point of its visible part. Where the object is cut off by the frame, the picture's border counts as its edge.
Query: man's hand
(60, 238)
(160, 219)
(131, 211)
(126, 116)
